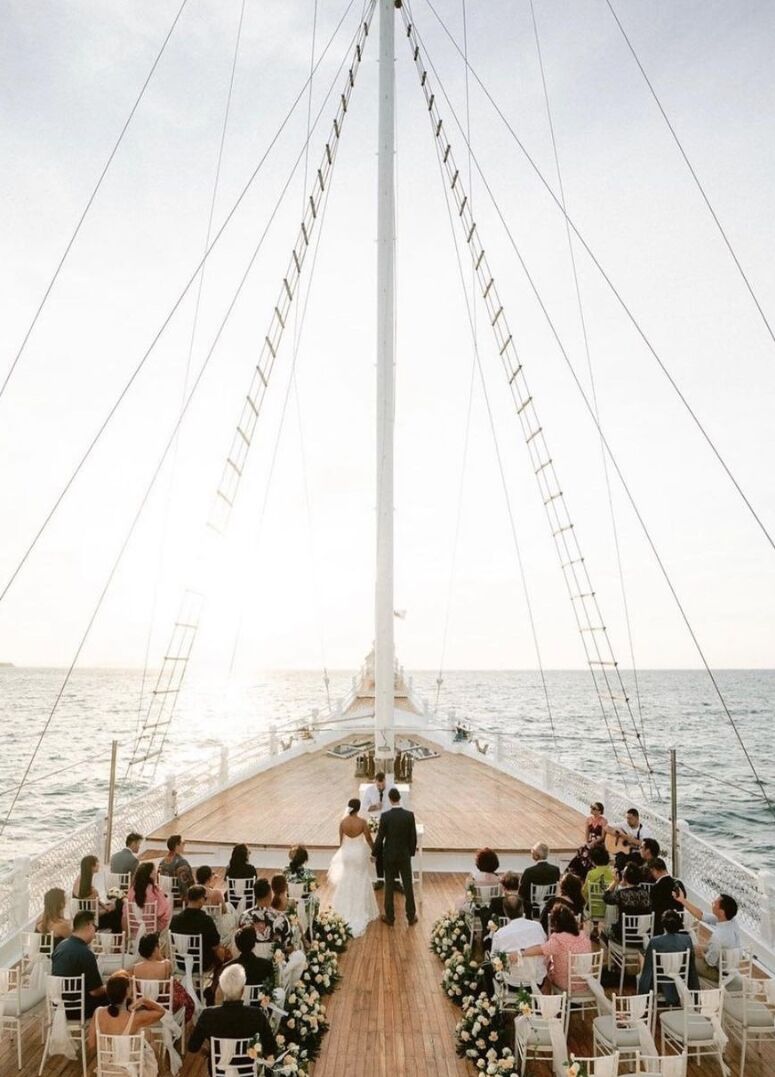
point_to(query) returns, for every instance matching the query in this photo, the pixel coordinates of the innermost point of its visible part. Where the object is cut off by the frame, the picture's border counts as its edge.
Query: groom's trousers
(402, 868)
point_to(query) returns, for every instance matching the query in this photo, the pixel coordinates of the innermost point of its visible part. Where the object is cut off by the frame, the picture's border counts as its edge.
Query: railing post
(273, 739)
(767, 890)
(223, 774)
(172, 797)
(21, 891)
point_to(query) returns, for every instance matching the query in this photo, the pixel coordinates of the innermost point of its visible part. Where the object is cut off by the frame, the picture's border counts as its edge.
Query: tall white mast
(384, 646)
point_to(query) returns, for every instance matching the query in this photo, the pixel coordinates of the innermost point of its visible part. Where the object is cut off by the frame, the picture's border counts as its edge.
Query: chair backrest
(229, 1058)
(68, 992)
(183, 946)
(541, 894)
(734, 962)
(109, 943)
(242, 891)
(156, 990)
(147, 917)
(116, 1054)
(646, 886)
(171, 887)
(11, 984)
(485, 894)
(84, 905)
(637, 929)
(36, 944)
(689, 920)
(581, 966)
(754, 991)
(115, 880)
(668, 966)
(661, 1065)
(629, 1010)
(604, 1066)
(548, 1008)
(253, 994)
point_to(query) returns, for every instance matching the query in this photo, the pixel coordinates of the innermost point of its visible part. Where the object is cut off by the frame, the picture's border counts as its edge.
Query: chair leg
(45, 1053)
(743, 1044)
(19, 1043)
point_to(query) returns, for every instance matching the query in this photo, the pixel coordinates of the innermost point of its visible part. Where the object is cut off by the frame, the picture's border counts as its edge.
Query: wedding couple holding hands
(392, 850)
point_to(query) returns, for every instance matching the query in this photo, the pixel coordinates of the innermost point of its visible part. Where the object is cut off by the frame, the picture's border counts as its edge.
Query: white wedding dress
(350, 876)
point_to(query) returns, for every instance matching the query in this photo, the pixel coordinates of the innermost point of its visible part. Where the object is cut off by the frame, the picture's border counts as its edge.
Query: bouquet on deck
(461, 976)
(482, 1036)
(115, 893)
(305, 876)
(322, 971)
(332, 930)
(305, 1021)
(449, 934)
(292, 1059)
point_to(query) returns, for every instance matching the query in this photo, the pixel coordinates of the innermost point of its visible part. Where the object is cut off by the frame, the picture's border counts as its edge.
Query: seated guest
(599, 875)
(204, 877)
(193, 920)
(519, 933)
(145, 891)
(566, 938)
(257, 969)
(595, 825)
(233, 1020)
(152, 966)
(279, 886)
(73, 957)
(486, 866)
(239, 866)
(674, 941)
(175, 865)
(53, 921)
(540, 873)
(724, 932)
(629, 836)
(297, 858)
(125, 861)
(662, 889)
(626, 893)
(569, 894)
(271, 925)
(649, 851)
(108, 912)
(118, 1018)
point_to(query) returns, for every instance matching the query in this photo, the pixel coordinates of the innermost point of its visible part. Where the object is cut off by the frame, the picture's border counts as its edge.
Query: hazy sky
(303, 587)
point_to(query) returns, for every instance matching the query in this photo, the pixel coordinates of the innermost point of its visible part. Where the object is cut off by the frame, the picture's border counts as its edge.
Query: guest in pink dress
(566, 939)
(144, 891)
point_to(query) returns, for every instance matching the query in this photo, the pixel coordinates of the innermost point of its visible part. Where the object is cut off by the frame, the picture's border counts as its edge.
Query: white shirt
(519, 934)
(636, 833)
(371, 797)
(725, 935)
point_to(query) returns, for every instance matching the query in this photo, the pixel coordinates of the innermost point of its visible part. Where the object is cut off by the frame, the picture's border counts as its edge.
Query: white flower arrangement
(481, 1036)
(322, 971)
(332, 930)
(305, 1020)
(449, 934)
(461, 976)
(115, 893)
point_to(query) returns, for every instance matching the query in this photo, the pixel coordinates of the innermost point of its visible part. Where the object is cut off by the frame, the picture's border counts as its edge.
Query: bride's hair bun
(353, 806)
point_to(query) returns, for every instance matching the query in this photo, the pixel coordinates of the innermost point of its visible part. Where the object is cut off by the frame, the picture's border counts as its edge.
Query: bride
(349, 873)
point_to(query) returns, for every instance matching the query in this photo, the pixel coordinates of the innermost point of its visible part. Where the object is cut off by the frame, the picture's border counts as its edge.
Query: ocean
(68, 781)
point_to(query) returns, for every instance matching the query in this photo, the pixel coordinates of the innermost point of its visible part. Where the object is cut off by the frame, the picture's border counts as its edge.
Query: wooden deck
(463, 804)
(389, 1017)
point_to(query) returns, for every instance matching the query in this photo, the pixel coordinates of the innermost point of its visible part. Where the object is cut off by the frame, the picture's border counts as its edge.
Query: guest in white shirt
(519, 934)
(374, 802)
(724, 932)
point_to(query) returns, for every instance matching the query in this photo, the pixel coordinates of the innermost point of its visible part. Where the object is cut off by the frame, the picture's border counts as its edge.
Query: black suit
(397, 843)
(233, 1021)
(539, 874)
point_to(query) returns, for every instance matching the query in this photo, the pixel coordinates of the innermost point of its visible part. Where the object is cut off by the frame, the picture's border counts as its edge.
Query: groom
(397, 843)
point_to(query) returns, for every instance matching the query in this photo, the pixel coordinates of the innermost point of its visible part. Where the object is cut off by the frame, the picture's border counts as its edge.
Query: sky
(291, 585)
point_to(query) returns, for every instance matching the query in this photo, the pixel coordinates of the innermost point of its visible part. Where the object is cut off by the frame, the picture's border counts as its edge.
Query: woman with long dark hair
(109, 913)
(350, 871)
(144, 890)
(239, 867)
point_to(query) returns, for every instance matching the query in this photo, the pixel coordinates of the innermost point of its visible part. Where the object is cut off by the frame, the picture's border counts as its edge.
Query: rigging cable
(693, 173)
(89, 201)
(590, 369)
(611, 286)
(127, 386)
(159, 465)
(625, 486)
(187, 372)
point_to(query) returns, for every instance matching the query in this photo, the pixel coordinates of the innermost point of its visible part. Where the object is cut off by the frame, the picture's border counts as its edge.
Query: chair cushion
(700, 1027)
(625, 1037)
(756, 1013)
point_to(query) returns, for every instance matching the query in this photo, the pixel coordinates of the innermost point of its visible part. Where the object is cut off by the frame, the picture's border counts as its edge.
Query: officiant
(374, 801)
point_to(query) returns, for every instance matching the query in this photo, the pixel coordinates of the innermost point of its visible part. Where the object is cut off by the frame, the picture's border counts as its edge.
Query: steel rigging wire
(609, 283)
(127, 386)
(625, 486)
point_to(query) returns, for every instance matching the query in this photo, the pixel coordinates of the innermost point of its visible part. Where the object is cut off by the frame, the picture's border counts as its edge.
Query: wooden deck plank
(464, 805)
(389, 1017)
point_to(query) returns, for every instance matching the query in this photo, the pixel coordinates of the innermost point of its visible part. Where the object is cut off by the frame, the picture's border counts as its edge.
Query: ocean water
(68, 780)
